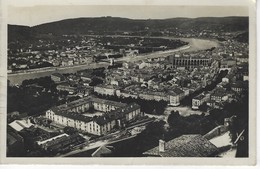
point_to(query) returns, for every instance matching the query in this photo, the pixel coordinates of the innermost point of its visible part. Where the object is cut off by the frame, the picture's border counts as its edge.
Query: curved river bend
(194, 45)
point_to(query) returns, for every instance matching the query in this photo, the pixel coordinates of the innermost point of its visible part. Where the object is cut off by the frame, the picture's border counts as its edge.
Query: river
(194, 45)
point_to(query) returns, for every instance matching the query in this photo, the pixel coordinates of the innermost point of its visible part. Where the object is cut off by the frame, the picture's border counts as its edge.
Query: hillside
(116, 24)
(243, 37)
(17, 32)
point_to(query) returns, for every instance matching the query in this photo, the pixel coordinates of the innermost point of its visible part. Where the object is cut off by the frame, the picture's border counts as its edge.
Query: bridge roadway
(194, 45)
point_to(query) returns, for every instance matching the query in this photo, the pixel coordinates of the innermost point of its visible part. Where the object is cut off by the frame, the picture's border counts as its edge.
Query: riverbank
(194, 45)
(18, 78)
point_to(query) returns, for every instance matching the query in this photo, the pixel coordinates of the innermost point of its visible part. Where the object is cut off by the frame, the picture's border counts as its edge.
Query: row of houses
(173, 96)
(215, 99)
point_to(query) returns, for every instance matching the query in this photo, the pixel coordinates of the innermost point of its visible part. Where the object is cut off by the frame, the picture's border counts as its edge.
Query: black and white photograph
(129, 81)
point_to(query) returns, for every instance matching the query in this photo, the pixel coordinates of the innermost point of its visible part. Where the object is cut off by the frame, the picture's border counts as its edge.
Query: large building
(105, 89)
(115, 114)
(176, 95)
(61, 142)
(189, 62)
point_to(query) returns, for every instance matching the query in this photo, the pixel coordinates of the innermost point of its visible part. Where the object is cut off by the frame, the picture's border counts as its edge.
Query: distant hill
(116, 24)
(243, 37)
(16, 32)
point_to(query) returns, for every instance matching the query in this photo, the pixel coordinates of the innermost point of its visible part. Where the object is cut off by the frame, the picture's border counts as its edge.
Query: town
(151, 91)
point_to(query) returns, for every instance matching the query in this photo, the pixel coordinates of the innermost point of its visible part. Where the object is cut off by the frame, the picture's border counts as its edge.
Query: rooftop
(75, 116)
(186, 146)
(103, 101)
(176, 91)
(19, 125)
(199, 97)
(58, 75)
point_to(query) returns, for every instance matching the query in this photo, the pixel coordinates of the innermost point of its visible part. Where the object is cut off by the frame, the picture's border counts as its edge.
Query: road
(194, 45)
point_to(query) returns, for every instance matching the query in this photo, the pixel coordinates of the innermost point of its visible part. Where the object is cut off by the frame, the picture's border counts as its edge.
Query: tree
(95, 81)
(203, 107)
(174, 115)
(70, 130)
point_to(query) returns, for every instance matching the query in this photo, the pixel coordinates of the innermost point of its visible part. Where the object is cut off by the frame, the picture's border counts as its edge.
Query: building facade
(199, 100)
(115, 114)
(188, 62)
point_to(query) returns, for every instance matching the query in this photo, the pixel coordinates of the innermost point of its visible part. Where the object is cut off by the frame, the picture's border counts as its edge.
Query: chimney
(161, 145)
(27, 121)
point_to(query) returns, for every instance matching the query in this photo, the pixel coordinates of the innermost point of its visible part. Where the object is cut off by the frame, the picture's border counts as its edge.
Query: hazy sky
(34, 15)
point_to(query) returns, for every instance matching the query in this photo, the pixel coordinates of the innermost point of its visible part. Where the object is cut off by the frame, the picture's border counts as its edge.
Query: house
(199, 100)
(126, 114)
(64, 62)
(70, 62)
(66, 87)
(243, 59)
(239, 86)
(219, 97)
(57, 77)
(175, 96)
(153, 95)
(245, 78)
(186, 91)
(225, 79)
(105, 90)
(85, 77)
(184, 146)
(230, 77)
(214, 104)
(125, 94)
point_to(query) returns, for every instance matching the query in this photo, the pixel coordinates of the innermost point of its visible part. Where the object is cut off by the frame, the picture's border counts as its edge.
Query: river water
(194, 45)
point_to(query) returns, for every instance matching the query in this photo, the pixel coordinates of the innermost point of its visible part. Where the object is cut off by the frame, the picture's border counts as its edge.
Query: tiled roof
(58, 75)
(186, 146)
(199, 97)
(219, 94)
(72, 104)
(124, 110)
(13, 137)
(19, 125)
(176, 91)
(64, 84)
(116, 114)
